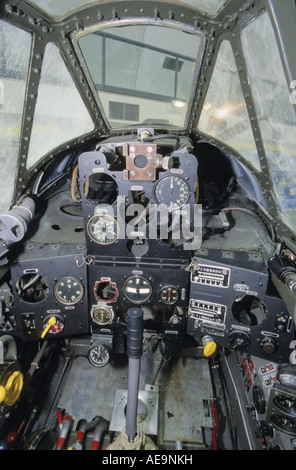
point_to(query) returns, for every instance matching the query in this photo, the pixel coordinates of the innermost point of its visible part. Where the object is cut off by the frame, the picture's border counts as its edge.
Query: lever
(134, 352)
(51, 321)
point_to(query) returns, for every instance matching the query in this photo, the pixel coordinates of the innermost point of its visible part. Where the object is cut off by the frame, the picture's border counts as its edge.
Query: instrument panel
(229, 301)
(43, 289)
(147, 203)
(95, 298)
(127, 260)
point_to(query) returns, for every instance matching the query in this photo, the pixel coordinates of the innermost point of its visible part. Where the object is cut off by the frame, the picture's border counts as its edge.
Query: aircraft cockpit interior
(147, 225)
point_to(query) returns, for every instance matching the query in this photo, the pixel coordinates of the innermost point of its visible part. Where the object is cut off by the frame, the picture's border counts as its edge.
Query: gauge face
(287, 425)
(137, 289)
(102, 314)
(286, 403)
(99, 355)
(169, 295)
(103, 229)
(68, 290)
(172, 191)
(287, 375)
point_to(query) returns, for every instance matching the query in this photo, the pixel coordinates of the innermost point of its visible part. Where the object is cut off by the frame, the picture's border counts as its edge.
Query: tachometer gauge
(172, 191)
(68, 290)
(99, 355)
(137, 289)
(169, 295)
(102, 314)
(103, 229)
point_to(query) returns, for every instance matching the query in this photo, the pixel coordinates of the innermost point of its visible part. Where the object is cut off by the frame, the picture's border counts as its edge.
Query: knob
(209, 346)
(238, 340)
(268, 345)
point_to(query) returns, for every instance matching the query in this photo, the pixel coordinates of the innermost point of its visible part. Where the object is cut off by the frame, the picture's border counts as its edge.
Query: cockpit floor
(174, 397)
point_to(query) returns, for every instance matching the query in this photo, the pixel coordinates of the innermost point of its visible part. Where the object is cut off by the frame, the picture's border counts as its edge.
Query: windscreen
(143, 74)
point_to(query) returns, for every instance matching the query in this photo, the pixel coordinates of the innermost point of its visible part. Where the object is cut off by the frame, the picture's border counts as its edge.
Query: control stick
(132, 438)
(134, 352)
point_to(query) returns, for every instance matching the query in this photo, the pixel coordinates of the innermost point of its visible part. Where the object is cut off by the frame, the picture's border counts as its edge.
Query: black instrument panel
(52, 287)
(130, 224)
(126, 260)
(132, 257)
(229, 301)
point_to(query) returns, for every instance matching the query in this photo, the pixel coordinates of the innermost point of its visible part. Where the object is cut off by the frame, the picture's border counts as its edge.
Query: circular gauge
(105, 290)
(286, 403)
(102, 314)
(99, 355)
(68, 290)
(172, 191)
(103, 229)
(287, 375)
(169, 295)
(284, 424)
(137, 289)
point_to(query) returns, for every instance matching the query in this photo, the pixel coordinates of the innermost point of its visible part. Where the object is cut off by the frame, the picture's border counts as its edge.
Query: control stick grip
(134, 332)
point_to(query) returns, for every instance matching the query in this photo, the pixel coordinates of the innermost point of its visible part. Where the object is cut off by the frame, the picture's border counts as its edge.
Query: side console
(229, 301)
(50, 296)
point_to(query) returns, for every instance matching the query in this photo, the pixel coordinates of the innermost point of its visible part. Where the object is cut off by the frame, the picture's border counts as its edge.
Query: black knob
(134, 332)
(238, 340)
(268, 345)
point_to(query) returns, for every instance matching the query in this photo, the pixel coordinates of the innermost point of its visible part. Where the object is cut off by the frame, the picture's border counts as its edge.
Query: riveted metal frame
(226, 25)
(232, 35)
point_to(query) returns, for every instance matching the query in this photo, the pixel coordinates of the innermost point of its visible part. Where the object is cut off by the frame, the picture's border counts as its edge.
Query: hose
(67, 421)
(99, 431)
(85, 427)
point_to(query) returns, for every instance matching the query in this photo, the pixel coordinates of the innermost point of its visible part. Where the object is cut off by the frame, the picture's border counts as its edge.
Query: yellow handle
(12, 390)
(51, 321)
